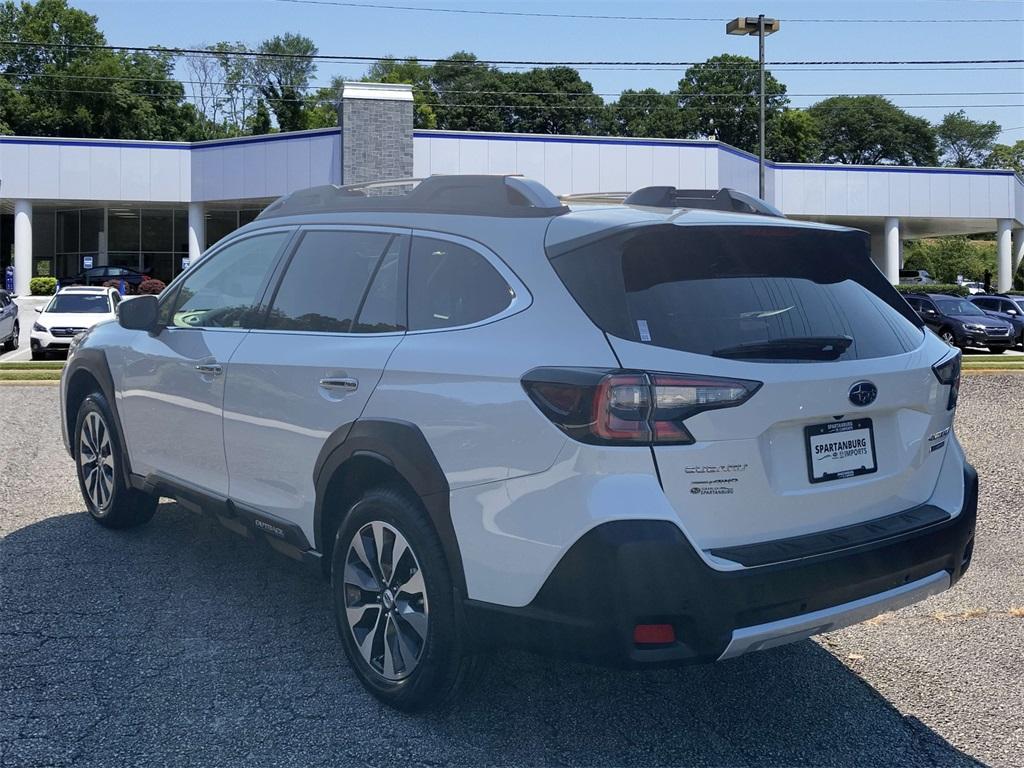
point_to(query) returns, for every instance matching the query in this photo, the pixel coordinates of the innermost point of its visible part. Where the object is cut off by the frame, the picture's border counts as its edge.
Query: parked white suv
(70, 312)
(636, 434)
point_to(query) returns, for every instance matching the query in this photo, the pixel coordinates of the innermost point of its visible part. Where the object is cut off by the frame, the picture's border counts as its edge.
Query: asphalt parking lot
(180, 644)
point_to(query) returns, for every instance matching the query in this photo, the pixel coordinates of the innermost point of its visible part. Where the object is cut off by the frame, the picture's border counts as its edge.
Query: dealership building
(155, 206)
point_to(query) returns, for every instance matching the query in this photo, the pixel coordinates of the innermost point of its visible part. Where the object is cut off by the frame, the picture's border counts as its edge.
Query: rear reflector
(654, 634)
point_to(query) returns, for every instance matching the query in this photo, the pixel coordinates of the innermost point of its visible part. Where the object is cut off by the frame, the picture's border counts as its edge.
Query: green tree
(470, 96)
(872, 130)
(71, 91)
(965, 143)
(947, 258)
(411, 72)
(794, 136)
(284, 71)
(259, 122)
(554, 100)
(647, 113)
(47, 21)
(720, 99)
(1007, 156)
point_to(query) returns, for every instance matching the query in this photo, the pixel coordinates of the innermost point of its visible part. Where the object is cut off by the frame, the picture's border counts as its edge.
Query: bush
(42, 286)
(949, 289)
(152, 286)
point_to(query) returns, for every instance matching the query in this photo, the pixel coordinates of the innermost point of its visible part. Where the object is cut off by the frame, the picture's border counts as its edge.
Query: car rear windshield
(744, 292)
(79, 303)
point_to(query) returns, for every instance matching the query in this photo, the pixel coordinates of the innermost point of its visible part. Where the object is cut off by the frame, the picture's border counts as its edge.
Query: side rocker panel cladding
(402, 446)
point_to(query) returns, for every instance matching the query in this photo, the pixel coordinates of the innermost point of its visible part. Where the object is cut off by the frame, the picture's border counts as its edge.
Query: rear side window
(326, 280)
(741, 292)
(451, 285)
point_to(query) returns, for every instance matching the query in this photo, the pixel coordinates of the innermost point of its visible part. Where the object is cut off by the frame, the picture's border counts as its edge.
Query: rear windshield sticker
(645, 332)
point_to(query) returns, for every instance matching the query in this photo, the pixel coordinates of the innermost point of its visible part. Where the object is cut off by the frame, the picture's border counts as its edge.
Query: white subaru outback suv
(673, 430)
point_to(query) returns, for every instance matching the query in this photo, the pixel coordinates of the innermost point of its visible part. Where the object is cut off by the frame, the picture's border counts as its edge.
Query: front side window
(223, 289)
(79, 303)
(451, 285)
(958, 307)
(760, 293)
(326, 280)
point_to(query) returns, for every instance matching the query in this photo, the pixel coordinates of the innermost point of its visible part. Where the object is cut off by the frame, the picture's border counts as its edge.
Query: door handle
(209, 369)
(346, 385)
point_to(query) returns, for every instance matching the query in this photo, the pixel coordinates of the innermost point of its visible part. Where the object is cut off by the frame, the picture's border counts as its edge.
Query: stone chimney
(376, 132)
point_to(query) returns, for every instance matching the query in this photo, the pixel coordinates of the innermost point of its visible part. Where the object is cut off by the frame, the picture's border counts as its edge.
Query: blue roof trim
(707, 143)
(111, 143)
(179, 145)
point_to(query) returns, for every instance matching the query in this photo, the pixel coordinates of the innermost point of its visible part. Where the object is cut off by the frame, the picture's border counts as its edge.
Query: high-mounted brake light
(948, 372)
(629, 407)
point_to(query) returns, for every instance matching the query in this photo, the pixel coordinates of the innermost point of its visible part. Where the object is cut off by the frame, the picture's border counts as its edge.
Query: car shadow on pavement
(181, 644)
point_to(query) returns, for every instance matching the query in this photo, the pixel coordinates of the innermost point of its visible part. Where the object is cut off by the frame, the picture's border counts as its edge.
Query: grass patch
(35, 365)
(7, 375)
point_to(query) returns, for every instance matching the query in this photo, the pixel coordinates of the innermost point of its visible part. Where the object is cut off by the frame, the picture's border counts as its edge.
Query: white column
(878, 250)
(892, 250)
(22, 246)
(196, 231)
(1016, 250)
(1004, 278)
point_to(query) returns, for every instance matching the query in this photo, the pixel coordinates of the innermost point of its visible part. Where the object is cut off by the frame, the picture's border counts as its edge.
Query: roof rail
(475, 195)
(724, 199)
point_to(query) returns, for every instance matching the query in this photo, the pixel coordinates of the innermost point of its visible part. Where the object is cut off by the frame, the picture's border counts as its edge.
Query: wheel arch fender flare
(92, 364)
(401, 446)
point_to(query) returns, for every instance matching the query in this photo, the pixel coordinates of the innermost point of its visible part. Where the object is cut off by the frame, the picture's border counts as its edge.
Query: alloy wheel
(385, 600)
(97, 461)
(15, 339)
(947, 336)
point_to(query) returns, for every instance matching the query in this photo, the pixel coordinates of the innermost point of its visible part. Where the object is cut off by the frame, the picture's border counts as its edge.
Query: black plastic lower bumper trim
(780, 550)
(625, 573)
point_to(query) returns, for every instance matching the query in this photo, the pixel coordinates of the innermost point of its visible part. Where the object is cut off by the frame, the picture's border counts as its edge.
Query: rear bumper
(625, 573)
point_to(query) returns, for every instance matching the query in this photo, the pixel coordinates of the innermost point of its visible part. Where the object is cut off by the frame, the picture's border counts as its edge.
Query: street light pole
(762, 27)
(760, 67)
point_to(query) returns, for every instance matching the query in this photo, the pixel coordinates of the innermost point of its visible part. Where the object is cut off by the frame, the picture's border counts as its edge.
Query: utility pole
(762, 27)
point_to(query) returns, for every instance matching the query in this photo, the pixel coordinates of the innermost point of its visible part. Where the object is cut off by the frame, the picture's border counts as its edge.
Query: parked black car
(960, 323)
(1007, 308)
(100, 275)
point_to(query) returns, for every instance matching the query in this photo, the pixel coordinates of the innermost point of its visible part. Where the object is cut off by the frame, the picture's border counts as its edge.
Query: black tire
(38, 354)
(997, 350)
(442, 666)
(109, 499)
(12, 343)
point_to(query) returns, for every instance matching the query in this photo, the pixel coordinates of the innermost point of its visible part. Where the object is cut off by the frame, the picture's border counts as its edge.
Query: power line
(577, 94)
(603, 17)
(448, 105)
(545, 63)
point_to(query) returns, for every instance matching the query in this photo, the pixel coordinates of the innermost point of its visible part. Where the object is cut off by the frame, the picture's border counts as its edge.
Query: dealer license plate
(840, 449)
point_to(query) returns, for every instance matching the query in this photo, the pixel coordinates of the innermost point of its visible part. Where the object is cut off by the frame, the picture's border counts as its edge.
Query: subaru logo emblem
(863, 393)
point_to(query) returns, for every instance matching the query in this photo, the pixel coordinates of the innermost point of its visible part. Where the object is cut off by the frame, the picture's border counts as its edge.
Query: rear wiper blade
(797, 348)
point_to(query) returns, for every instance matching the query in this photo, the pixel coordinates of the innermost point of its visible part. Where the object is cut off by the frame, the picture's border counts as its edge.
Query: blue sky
(373, 32)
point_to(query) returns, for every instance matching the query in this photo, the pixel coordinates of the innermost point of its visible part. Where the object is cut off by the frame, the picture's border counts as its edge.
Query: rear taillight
(948, 372)
(629, 407)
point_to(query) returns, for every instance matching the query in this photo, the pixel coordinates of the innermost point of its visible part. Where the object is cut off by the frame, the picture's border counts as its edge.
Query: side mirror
(1012, 312)
(138, 313)
(39, 310)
